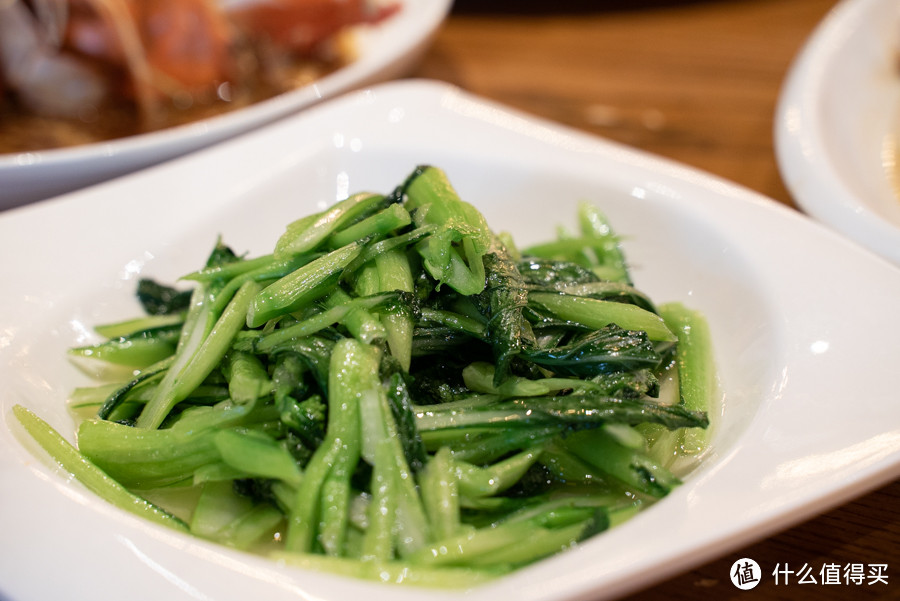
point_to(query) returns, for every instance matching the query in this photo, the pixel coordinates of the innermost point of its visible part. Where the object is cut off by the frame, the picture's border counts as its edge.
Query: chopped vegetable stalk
(481, 446)
(440, 495)
(362, 323)
(145, 459)
(630, 466)
(597, 247)
(333, 463)
(596, 314)
(395, 273)
(307, 233)
(514, 542)
(456, 321)
(115, 399)
(246, 375)
(257, 455)
(230, 270)
(138, 349)
(695, 364)
(264, 274)
(89, 474)
(385, 221)
(138, 324)
(410, 527)
(378, 542)
(327, 318)
(576, 411)
(479, 377)
(186, 375)
(301, 286)
(477, 481)
(224, 516)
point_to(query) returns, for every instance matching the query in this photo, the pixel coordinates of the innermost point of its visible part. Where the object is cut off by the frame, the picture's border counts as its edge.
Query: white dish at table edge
(837, 126)
(805, 424)
(386, 50)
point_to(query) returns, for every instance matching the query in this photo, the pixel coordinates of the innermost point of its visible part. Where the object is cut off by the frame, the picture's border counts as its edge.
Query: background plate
(387, 50)
(837, 126)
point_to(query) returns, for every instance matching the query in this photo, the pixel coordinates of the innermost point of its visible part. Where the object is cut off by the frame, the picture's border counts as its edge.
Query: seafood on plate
(78, 71)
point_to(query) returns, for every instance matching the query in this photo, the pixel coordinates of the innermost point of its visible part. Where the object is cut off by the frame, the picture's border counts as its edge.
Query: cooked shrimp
(302, 25)
(187, 40)
(166, 48)
(153, 59)
(184, 43)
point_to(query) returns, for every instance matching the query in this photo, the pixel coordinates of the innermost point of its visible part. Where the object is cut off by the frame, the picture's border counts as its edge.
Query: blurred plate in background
(386, 50)
(838, 124)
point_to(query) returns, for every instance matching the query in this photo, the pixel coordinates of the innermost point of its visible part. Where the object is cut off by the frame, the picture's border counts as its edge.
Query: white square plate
(804, 324)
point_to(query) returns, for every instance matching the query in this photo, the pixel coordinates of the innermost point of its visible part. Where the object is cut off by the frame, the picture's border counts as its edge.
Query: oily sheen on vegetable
(396, 392)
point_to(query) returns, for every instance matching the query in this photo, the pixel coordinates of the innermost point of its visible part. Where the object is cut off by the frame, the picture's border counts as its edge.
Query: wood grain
(697, 82)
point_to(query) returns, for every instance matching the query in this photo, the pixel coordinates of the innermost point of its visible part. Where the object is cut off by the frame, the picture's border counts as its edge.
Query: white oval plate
(837, 125)
(804, 325)
(386, 50)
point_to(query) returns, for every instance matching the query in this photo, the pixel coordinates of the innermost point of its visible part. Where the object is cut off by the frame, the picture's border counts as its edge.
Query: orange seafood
(117, 67)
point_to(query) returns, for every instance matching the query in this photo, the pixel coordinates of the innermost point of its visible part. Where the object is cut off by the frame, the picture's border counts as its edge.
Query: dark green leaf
(603, 351)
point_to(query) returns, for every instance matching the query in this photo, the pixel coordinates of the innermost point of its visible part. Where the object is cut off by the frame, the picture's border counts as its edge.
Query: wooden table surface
(697, 82)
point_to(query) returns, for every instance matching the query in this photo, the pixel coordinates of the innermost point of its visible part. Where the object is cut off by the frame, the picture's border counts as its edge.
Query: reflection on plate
(784, 444)
(838, 124)
(386, 50)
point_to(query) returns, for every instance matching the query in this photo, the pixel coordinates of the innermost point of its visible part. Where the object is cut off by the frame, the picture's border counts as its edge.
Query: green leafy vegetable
(396, 392)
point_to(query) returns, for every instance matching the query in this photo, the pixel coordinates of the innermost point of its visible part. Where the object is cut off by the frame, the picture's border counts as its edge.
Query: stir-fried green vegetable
(397, 392)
